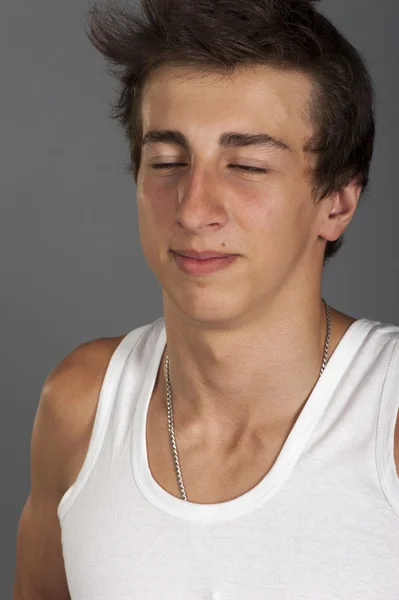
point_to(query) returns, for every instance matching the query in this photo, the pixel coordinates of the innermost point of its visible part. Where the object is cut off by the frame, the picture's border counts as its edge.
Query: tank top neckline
(287, 458)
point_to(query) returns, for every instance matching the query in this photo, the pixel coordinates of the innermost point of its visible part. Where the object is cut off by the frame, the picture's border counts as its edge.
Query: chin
(205, 306)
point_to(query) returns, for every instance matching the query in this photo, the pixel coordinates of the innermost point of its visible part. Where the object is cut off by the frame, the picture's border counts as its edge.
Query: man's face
(204, 202)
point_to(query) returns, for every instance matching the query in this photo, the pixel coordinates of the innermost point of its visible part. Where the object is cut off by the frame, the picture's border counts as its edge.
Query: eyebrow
(226, 140)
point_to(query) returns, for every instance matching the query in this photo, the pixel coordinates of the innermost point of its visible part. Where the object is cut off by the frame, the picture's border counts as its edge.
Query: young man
(243, 445)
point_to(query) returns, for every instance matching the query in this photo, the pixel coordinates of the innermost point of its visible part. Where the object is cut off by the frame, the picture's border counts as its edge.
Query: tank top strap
(388, 415)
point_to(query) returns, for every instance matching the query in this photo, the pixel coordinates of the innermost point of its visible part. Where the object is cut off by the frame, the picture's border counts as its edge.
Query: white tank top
(323, 524)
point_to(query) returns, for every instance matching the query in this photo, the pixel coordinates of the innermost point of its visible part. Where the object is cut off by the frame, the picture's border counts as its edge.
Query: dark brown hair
(219, 35)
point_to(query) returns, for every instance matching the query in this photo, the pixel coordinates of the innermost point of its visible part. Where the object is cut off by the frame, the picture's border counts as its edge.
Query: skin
(245, 345)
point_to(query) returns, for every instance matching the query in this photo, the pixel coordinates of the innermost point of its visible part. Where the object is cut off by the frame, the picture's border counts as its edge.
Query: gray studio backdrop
(72, 268)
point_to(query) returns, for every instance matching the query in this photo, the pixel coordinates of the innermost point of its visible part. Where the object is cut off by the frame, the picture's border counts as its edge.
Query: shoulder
(85, 365)
(391, 407)
(69, 387)
(68, 404)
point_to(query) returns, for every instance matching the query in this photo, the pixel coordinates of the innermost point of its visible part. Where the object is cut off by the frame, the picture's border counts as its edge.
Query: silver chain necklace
(170, 410)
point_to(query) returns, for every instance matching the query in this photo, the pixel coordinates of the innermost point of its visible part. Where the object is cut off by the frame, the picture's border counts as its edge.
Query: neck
(227, 382)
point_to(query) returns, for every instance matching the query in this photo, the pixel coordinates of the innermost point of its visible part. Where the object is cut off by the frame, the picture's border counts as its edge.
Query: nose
(201, 200)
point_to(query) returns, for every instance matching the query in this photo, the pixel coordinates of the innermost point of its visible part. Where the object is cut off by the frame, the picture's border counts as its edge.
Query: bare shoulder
(69, 401)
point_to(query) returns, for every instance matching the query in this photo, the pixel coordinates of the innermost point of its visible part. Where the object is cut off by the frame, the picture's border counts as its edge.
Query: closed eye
(238, 167)
(249, 169)
(167, 165)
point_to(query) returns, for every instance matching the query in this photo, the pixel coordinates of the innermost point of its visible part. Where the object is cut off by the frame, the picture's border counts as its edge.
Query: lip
(193, 266)
(202, 255)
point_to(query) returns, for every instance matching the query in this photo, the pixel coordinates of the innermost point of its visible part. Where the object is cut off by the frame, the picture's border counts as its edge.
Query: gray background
(72, 268)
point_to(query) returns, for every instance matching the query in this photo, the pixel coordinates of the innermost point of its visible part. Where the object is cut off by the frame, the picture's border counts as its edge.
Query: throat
(211, 472)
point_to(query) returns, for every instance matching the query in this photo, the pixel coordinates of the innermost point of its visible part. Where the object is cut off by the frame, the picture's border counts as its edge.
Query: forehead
(259, 98)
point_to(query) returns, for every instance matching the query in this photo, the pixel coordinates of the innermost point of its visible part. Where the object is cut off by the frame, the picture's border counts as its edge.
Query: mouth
(202, 255)
(203, 266)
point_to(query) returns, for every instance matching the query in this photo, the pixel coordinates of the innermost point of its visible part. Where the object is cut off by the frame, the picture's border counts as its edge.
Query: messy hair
(220, 35)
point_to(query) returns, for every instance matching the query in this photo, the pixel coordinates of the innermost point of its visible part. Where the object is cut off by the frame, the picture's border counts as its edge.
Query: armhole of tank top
(101, 419)
(385, 442)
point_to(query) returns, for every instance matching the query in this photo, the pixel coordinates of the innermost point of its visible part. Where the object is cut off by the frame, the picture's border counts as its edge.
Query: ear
(339, 210)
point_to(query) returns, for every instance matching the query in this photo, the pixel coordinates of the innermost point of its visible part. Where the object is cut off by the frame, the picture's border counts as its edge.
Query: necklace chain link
(170, 409)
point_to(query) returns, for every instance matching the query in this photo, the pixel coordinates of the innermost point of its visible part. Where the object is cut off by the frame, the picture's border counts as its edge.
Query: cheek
(278, 224)
(264, 212)
(155, 218)
(154, 206)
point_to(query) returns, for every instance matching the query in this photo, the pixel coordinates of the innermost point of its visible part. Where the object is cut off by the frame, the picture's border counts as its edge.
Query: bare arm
(40, 573)
(60, 437)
